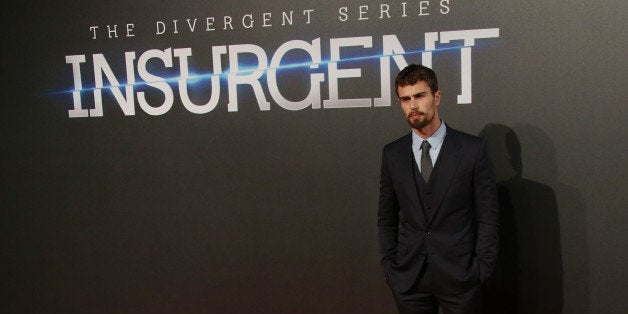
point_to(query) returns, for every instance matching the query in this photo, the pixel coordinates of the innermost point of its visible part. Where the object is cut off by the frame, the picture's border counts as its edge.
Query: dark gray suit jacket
(461, 238)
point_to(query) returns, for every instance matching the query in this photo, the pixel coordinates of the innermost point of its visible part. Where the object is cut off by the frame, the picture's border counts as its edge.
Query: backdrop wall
(199, 157)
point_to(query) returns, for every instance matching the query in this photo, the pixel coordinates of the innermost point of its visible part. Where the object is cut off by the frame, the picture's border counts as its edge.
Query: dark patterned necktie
(426, 161)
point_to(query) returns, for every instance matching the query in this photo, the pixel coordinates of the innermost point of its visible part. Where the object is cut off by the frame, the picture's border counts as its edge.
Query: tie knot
(425, 147)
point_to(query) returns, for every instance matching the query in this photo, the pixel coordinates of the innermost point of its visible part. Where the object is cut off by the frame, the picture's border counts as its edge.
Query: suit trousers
(425, 297)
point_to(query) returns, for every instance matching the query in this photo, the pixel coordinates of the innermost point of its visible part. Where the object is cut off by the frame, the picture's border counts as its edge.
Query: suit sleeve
(486, 213)
(388, 217)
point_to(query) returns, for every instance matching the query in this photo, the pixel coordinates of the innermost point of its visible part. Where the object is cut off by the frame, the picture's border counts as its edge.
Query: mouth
(415, 114)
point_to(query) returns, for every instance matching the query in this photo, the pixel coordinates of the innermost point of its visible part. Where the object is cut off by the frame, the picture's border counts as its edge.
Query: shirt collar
(436, 140)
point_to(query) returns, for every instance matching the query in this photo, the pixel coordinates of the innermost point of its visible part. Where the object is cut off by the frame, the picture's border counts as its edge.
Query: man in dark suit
(438, 208)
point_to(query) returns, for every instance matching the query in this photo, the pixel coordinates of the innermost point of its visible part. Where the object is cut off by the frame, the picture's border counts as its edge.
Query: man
(438, 208)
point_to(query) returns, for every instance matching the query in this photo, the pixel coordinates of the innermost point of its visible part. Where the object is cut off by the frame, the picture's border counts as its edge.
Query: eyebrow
(413, 95)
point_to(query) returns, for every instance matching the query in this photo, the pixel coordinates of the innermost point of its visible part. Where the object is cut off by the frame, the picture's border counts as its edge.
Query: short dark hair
(414, 73)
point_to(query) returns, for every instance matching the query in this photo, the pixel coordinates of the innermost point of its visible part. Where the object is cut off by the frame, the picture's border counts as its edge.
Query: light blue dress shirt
(436, 142)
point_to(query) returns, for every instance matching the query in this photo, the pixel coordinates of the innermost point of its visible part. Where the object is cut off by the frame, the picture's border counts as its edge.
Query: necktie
(426, 161)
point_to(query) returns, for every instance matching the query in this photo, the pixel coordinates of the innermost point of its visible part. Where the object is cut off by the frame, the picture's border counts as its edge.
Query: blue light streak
(196, 78)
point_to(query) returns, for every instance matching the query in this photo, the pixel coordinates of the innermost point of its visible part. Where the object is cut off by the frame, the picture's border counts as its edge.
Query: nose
(414, 103)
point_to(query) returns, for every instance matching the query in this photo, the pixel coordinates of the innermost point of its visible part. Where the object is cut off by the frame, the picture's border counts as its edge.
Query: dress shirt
(436, 142)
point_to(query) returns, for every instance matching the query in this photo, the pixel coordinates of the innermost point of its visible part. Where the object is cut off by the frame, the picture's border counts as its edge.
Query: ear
(437, 97)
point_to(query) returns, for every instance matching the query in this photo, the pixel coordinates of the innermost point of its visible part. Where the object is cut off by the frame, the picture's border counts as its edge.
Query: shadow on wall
(530, 277)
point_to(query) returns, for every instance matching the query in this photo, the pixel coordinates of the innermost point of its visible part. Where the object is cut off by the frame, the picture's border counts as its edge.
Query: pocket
(402, 251)
(464, 248)
(477, 270)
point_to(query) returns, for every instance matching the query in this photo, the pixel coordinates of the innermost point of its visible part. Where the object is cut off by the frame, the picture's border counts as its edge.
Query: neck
(427, 131)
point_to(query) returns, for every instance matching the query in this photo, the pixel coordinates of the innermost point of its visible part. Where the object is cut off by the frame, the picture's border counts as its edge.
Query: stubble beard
(420, 122)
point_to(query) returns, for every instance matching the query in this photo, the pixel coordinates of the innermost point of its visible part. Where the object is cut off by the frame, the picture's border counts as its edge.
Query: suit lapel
(405, 171)
(446, 166)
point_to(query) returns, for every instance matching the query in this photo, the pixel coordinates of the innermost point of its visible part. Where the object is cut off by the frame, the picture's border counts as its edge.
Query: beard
(421, 121)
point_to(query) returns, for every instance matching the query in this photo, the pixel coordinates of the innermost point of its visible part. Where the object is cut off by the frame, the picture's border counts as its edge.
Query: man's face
(419, 105)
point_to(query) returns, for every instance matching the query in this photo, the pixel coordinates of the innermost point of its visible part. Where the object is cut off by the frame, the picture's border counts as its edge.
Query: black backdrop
(274, 211)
